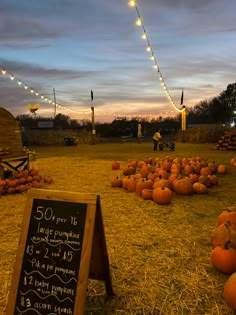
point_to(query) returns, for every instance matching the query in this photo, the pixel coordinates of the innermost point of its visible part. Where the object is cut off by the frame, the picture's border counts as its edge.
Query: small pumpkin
(48, 179)
(146, 194)
(115, 165)
(199, 188)
(116, 182)
(222, 169)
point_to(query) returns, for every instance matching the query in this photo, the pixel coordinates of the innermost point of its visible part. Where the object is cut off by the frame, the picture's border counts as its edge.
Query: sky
(71, 47)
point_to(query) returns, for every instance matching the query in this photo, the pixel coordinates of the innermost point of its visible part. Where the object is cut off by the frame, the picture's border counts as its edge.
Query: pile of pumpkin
(223, 254)
(23, 181)
(157, 179)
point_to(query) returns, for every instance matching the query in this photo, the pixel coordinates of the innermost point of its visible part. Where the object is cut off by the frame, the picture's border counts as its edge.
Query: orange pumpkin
(131, 184)
(146, 194)
(223, 258)
(115, 165)
(116, 182)
(162, 195)
(199, 188)
(183, 186)
(227, 215)
(222, 169)
(230, 291)
(48, 179)
(223, 233)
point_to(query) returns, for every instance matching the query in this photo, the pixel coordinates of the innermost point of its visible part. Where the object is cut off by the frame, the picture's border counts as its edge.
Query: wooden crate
(12, 157)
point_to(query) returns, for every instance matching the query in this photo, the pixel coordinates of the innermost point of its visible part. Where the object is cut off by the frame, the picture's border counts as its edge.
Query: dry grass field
(159, 254)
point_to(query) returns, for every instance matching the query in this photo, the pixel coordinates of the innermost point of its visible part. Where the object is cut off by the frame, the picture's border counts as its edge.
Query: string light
(31, 90)
(139, 22)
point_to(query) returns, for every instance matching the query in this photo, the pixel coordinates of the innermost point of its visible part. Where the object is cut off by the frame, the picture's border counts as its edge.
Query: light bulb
(144, 36)
(132, 3)
(139, 22)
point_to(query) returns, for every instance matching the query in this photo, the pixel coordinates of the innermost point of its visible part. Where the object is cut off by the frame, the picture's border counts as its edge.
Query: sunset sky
(75, 46)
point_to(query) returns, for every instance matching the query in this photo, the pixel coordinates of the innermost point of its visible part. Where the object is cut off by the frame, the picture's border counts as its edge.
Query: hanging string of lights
(33, 91)
(139, 22)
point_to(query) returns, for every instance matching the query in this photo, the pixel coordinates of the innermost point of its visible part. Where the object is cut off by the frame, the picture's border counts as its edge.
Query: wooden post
(183, 122)
(93, 126)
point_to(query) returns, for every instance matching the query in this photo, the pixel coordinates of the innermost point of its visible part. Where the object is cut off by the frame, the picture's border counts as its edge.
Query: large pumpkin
(183, 186)
(224, 258)
(230, 291)
(162, 195)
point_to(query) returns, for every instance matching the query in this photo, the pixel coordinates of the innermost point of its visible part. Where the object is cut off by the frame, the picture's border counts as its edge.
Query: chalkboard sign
(56, 246)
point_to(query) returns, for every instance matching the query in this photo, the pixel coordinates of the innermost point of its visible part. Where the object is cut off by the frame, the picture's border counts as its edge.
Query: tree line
(218, 110)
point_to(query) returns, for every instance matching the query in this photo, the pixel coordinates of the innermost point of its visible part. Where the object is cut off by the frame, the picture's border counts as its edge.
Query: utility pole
(55, 103)
(93, 120)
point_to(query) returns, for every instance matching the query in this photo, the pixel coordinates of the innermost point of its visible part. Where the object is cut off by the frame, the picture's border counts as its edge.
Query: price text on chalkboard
(51, 259)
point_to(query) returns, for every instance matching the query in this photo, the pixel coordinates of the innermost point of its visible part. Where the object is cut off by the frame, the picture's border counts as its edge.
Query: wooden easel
(44, 209)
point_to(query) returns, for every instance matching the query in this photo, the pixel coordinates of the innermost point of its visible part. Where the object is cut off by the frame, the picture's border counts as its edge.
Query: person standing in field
(139, 132)
(156, 139)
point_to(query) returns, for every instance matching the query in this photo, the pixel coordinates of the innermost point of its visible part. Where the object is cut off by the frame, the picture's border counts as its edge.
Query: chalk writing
(51, 261)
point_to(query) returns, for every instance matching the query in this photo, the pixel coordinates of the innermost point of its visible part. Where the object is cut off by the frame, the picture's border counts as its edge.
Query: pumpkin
(10, 190)
(131, 184)
(161, 182)
(12, 183)
(36, 184)
(162, 195)
(223, 233)
(125, 181)
(222, 169)
(146, 194)
(33, 172)
(2, 183)
(152, 176)
(116, 182)
(128, 170)
(230, 291)
(22, 188)
(233, 161)
(48, 179)
(133, 163)
(227, 215)
(188, 169)
(145, 170)
(167, 164)
(148, 160)
(115, 165)
(193, 177)
(199, 188)
(206, 171)
(183, 186)
(213, 179)
(205, 180)
(223, 258)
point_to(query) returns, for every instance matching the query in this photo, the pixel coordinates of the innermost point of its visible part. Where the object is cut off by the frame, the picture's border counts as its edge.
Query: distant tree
(62, 121)
(217, 110)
